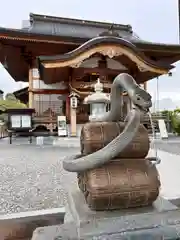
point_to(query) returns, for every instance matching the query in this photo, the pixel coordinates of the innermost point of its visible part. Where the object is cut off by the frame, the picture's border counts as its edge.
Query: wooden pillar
(33, 76)
(73, 122)
(31, 99)
(68, 108)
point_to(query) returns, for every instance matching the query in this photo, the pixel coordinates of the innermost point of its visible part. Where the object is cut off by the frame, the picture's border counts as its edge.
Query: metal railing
(157, 116)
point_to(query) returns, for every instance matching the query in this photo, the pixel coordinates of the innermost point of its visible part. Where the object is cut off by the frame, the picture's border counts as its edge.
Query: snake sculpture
(141, 101)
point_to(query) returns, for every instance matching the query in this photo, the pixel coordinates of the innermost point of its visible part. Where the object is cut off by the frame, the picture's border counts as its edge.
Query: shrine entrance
(90, 62)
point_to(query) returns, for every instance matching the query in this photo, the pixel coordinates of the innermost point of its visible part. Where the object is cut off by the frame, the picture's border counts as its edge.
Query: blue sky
(155, 20)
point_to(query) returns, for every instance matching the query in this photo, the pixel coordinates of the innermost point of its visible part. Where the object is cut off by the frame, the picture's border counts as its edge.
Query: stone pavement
(32, 176)
(169, 170)
(169, 152)
(47, 140)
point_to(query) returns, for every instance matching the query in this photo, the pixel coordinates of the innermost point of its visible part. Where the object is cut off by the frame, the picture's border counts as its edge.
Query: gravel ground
(32, 177)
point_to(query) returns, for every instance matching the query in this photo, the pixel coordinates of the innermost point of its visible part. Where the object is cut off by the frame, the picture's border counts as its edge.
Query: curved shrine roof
(57, 30)
(72, 28)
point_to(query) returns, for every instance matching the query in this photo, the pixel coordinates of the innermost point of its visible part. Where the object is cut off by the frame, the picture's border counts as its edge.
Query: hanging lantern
(73, 102)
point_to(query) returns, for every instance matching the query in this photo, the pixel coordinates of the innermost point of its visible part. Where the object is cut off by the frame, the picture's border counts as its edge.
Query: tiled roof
(76, 28)
(79, 30)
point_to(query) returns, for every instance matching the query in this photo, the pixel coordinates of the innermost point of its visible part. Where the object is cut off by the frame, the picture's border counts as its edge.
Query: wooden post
(68, 108)
(30, 88)
(33, 76)
(73, 118)
(73, 123)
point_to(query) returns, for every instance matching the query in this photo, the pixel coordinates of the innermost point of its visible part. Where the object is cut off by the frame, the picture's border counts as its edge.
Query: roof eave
(153, 46)
(25, 35)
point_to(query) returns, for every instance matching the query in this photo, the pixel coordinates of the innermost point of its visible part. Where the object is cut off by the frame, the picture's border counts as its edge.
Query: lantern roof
(98, 96)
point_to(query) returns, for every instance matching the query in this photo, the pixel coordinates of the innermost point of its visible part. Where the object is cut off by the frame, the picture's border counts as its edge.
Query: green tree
(9, 102)
(175, 120)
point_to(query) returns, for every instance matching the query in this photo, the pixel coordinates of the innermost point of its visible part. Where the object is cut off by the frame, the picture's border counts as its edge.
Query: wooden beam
(89, 85)
(78, 72)
(49, 91)
(119, 50)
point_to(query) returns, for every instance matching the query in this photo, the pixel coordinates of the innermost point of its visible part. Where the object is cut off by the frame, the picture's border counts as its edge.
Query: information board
(62, 126)
(21, 121)
(26, 121)
(16, 121)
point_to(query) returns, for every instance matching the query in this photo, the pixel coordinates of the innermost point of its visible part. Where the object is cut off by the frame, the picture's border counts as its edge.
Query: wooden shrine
(42, 55)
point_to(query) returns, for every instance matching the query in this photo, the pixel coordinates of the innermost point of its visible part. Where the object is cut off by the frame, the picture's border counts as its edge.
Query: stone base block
(160, 220)
(88, 221)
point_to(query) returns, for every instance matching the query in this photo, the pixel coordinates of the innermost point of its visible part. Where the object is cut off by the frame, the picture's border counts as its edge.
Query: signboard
(21, 121)
(62, 126)
(26, 121)
(162, 128)
(16, 121)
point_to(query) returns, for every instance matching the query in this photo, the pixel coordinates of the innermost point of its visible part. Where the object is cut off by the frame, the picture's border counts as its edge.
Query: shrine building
(59, 57)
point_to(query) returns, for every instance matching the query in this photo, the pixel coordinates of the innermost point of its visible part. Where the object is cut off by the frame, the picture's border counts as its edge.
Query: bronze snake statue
(141, 101)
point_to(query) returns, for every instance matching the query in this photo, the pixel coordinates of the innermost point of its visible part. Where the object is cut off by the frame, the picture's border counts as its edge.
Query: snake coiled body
(141, 102)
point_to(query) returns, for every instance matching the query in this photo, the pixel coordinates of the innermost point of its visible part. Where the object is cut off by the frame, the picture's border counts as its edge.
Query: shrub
(175, 120)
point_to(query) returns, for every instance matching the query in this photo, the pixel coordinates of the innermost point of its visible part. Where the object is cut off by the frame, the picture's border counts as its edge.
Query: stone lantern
(97, 100)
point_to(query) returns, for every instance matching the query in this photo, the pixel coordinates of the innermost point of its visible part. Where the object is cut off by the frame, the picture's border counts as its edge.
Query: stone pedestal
(160, 220)
(92, 223)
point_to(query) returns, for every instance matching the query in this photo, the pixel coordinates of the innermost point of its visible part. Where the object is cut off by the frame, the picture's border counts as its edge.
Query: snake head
(141, 98)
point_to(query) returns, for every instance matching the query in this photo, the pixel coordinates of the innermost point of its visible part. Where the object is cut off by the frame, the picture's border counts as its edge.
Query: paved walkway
(47, 140)
(169, 171)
